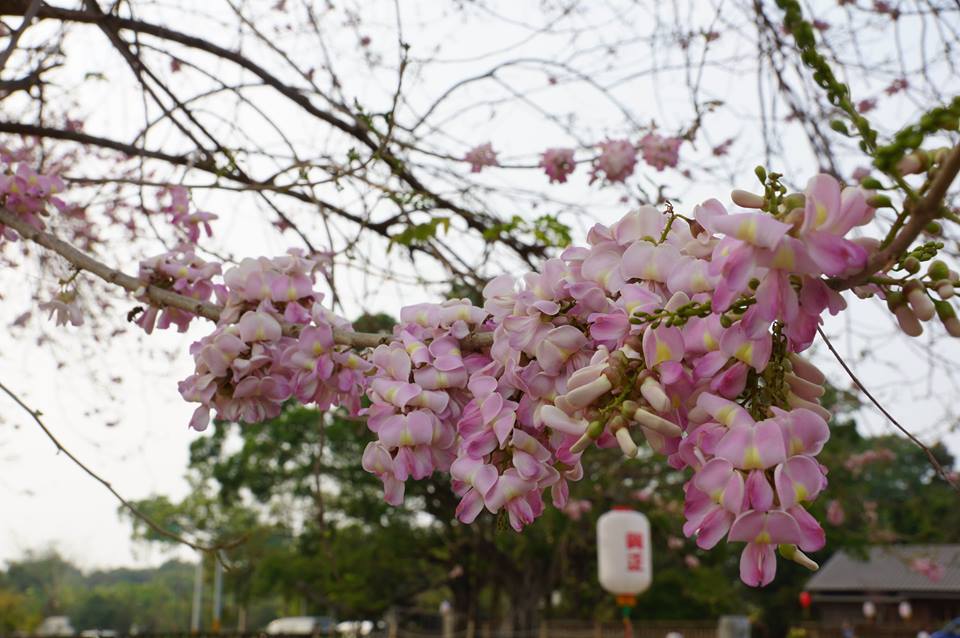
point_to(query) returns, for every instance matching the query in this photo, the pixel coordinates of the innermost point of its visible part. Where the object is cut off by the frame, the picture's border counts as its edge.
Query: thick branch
(922, 213)
(167, 298)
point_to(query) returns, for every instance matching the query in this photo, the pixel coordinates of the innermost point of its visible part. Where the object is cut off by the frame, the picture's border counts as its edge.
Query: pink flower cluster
(27, 193)
(64, 305)
(557, 163)
(181, 217)
(682, 332)
(616, 161)
(856, 462)
(660, 152)
(182, 271)
(928, 567)
(481, 156)
(419, 393)
(249, 365)
(752, 480)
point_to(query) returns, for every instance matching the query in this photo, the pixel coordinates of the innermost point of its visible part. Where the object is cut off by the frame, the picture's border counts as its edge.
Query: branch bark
(162, 297)
(922, 213)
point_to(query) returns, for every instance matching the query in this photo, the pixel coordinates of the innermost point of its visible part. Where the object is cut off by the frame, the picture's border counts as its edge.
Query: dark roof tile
(888, 568)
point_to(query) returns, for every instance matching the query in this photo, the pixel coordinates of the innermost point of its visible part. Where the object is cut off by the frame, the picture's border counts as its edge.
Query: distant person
(847, 630)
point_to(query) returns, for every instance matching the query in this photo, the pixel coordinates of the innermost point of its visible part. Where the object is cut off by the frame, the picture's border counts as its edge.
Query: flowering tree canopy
(679, 328)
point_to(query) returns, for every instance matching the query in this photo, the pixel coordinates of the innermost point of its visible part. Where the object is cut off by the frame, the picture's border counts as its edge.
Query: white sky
(45, 501)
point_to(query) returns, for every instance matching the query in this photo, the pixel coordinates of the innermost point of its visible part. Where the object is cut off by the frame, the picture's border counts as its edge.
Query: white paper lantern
(623, 552)
(905, 609)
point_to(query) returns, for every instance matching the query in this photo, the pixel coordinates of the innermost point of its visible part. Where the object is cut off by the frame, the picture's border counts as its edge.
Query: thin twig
(35, 415)
(952, 482)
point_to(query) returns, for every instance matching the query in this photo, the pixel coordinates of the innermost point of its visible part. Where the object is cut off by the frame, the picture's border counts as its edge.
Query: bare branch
(159, 529)
(952, 482)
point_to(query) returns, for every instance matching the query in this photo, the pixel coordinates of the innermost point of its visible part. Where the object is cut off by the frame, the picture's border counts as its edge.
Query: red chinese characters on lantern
(634, 552)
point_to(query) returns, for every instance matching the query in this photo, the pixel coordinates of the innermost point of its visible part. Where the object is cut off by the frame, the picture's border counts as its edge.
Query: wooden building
(925, 577)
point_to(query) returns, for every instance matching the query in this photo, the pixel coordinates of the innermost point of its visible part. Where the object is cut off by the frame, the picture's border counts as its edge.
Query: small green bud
(872, 183)
(761, 174)
(754, 283)
(911, 265)
(938, 270)
(934, 228)
(880, 201)
(839, 126)
(628, 408)
(944, 310)
(595, 429)
(726, 321)
(794, 200)
(894, 300)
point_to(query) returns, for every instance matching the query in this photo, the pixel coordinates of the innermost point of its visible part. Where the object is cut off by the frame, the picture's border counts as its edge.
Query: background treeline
(308, 533)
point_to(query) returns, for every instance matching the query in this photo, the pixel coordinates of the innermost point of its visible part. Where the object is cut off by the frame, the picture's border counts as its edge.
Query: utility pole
(217, 592)
(197, 596)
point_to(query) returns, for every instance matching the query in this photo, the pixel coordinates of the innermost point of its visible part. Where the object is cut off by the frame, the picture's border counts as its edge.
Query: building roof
(891, 568)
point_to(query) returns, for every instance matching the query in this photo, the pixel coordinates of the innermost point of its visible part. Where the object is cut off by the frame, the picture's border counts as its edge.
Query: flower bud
(945, 289)
(803, 388)
(747, 199)
(654, 394)
(795, 401)
(949, 317)
(894, 300)
(912, 163)
(945, 310)
(794, 200)
(584, 395)
(806, 370)
(933, 228)
(908, 321)
(920, 302)
(613, 375)
(938, 270)
(656, 423)
(628, 407)
(879, 201)
(911, 265)
(791, 552)
(594, 430)
(871, 183)
(627, 446)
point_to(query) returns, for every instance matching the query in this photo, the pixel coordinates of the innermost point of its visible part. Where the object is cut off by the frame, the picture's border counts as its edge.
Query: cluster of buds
(914, 302)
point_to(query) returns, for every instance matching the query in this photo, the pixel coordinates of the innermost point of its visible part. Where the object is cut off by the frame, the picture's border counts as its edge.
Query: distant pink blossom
(616, 161)
(660, 152)
(481, 156)
(558, 163)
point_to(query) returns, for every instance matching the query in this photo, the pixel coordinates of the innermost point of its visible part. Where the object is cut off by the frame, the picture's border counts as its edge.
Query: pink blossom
(660, 152)
(616, 161)
(558, 163)
(481, 156)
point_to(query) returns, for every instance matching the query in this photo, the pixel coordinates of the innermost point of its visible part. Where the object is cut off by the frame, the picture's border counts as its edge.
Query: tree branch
(926, 450)
(921, 214)
(162, 297)
(35, 415)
